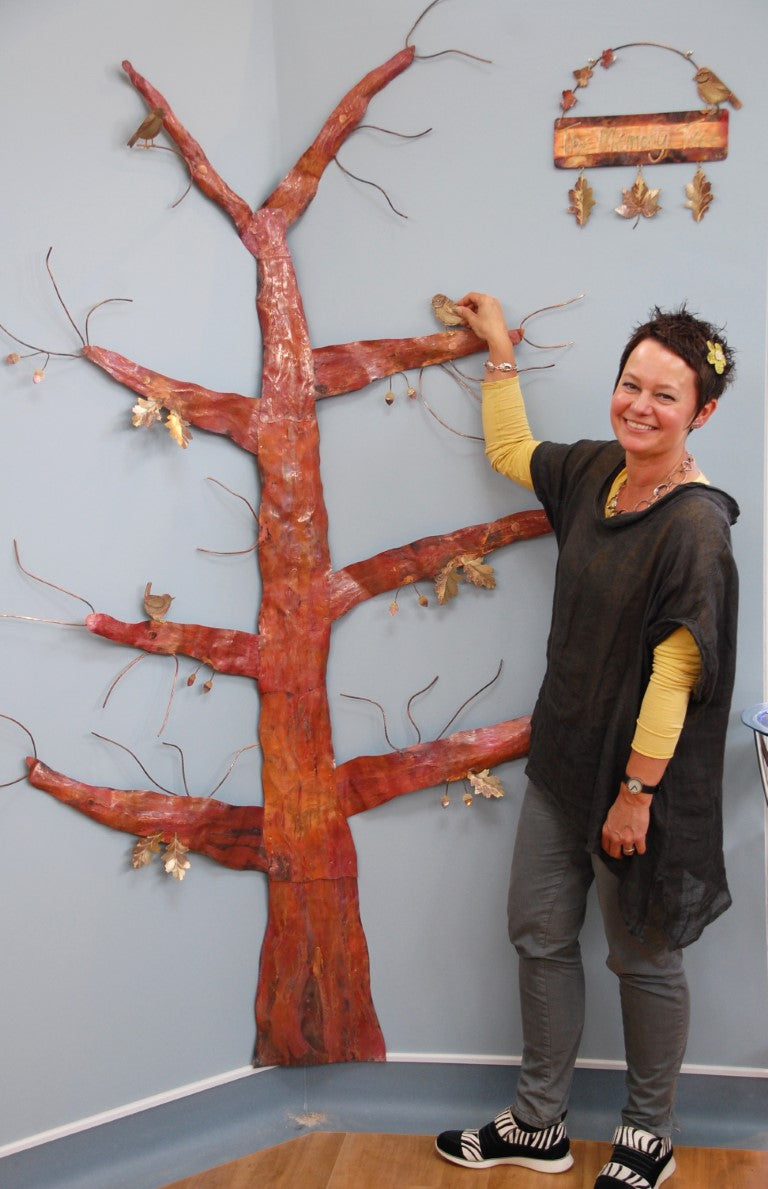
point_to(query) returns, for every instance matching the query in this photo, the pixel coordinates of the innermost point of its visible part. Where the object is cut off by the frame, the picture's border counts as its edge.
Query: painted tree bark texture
(313, 1002)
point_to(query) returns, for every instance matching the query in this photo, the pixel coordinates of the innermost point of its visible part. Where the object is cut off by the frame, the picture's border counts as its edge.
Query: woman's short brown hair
(700, 344)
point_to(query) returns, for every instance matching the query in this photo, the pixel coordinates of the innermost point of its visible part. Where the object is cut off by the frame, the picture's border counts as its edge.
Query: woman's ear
(704, 414)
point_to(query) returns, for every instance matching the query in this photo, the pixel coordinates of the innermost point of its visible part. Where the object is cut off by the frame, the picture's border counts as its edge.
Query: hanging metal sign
(581, 141)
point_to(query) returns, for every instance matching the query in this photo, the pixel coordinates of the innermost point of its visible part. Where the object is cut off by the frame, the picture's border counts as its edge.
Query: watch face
(635, 786)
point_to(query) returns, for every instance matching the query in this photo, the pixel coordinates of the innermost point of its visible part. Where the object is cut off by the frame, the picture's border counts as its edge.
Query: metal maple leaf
(638, 200)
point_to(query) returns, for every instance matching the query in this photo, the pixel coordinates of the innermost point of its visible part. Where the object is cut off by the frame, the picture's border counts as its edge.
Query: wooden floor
(338, 1160)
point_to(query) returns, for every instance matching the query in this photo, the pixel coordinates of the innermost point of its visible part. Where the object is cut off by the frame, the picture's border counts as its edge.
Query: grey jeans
(551, 876)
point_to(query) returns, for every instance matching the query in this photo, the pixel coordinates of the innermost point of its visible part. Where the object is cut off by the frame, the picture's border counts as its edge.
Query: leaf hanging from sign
(700, 195)
(639, 200)
(582, 200)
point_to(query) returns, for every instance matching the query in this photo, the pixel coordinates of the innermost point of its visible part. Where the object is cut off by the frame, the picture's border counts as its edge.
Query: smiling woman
(627, 737)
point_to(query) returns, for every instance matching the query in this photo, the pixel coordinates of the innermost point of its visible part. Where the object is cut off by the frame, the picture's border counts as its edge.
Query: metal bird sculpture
(713, 90)
(149, 127)
(156, 606)
(445, 311)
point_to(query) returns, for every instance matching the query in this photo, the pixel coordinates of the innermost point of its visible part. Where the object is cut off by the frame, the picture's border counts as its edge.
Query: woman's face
(655, 404)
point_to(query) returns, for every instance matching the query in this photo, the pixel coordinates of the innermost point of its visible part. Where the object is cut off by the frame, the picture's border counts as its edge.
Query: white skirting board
(179, 1092)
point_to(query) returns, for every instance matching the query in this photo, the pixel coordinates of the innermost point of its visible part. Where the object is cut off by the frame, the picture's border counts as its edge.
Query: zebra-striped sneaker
(639, 1160)
(507, 1141)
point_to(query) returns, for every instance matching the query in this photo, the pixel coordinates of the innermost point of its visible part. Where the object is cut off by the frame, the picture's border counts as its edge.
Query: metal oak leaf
(447, 582)
(486, 785)
(178, 428)
(175, 859)
(477, 572)
(700, 195)
(145, 850)
(146, 412)
(582, 201)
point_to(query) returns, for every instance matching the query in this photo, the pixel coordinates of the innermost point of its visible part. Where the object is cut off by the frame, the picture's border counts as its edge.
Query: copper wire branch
(28, 733)
(439, 54)
(471, 698)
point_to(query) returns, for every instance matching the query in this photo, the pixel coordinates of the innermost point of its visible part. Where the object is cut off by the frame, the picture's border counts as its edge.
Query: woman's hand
(484, 315)
(626, 825)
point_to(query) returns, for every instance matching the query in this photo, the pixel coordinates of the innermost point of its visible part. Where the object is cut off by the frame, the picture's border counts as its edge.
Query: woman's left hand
(626, 825)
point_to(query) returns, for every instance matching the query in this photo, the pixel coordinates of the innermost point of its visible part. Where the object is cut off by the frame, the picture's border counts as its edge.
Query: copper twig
(235, 758)
(412, 699)
(459, 433)
(476, 694)
(170, 699)
(45, 581)
(122, 674)
(464, 53)
(63, 623)
(58, 294)
(176, 153)
(93, 309)
(28, 733)
(251, 509)
(391, 132)
(156, 783)
(375, 185)
(183, 767)
(558, 305)
(357, 698)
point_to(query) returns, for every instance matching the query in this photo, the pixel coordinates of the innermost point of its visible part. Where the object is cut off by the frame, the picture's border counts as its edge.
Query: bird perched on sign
(713, 90)
(445, 311)
(156, 606)
(149, 127)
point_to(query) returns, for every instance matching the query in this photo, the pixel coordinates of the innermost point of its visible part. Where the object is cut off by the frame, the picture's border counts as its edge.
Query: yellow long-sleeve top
(509, 445)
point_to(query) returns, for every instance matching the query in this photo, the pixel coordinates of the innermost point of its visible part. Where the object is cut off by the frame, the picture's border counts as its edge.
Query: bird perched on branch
(156, 606)
(149, 127)
(445, 311)
(713, 90)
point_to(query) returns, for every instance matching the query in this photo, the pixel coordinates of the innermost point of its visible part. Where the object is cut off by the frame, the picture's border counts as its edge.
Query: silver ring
(626, 851)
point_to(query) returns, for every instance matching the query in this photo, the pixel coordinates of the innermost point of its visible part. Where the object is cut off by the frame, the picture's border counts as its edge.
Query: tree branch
(422, 559)
(346, 367)
(201, 171)
(230, 834)
(227, 413)
(299, 186)
(367, 781)
(225, 650)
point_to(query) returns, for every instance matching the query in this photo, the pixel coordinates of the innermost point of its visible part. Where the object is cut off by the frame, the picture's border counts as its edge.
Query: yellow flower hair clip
(716, 356)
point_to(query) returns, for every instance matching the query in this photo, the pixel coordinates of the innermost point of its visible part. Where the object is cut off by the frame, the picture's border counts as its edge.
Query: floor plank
(352, 1160)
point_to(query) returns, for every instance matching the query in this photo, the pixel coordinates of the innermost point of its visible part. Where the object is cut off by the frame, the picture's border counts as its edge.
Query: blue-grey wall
(118, 985)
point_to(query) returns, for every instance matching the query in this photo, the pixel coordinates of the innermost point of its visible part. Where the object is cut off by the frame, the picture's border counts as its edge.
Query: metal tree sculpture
(313, 1002)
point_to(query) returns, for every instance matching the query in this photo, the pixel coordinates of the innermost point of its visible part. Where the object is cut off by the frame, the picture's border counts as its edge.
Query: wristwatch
(636, 786)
